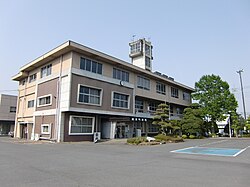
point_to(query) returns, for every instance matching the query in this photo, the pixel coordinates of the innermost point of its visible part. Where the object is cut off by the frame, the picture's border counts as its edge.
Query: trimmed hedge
(161, 137)
(136, 140)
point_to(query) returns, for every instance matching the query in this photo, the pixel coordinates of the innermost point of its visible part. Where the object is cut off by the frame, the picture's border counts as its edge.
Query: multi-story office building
(7, 113)
(73, 91)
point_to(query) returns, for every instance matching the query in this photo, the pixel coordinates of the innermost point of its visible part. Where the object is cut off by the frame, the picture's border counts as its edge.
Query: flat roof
(73, 46)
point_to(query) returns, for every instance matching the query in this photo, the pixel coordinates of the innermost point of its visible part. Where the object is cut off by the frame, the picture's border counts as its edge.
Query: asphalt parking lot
(116, 164)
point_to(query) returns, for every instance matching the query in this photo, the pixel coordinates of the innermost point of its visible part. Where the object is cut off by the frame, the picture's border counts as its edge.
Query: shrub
(136, 140)
(184, 136)
(164, 138)
(192, 136)
(161, 137)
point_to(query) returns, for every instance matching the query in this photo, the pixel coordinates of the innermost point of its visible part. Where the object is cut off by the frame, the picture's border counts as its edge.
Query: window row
(93, 96)
(45, 71)
(90, 65)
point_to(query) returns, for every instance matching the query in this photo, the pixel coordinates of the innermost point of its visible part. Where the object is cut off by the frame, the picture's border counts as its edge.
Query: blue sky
(191, 38)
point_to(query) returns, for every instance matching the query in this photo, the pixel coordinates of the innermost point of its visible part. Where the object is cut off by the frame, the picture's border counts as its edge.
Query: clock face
(122, 83)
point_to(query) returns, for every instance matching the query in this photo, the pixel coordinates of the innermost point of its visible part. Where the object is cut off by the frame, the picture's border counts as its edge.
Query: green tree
(192, 121)
(215, 98)
(161, 118)
(176, 126)
(247, 124)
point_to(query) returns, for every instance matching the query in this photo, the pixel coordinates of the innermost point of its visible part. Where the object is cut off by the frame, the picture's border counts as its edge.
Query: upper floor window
(174, 92)
(44, 100)
(147, 49)
(143, 83)
(147, 61)
(161, 88)
(139, 106)
(89, 95)
(32, 78)
(46, 70)
(135, 47)
(120, 75)
(120, 100)
(186, 96)
(31, 104)
(90, 65)
(13, 109)
(22, 82)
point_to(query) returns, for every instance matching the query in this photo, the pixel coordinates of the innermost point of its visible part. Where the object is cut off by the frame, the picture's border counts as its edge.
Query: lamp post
(229, 125)
(242, 93)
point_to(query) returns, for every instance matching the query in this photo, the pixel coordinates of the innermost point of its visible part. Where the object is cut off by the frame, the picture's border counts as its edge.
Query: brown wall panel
(46, 88)
(106, 97)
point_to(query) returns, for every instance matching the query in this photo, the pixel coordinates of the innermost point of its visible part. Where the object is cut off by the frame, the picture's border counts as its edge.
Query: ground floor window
(81, 125)
(45, 129)
(153, 128)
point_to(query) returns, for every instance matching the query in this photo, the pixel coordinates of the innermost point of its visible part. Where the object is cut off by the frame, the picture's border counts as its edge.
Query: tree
(215, 98)
(161, 118)
(247, 124)
(176, 126)
(192, 122)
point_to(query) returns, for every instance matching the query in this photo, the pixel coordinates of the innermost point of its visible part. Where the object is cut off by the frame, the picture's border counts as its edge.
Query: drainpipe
(17, 112)
(58, 100)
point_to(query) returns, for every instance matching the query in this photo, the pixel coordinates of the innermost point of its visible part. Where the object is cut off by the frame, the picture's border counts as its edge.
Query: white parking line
(241, 151)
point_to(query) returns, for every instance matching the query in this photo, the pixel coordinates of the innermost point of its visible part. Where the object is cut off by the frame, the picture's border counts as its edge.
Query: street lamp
(229, 125)
(242, 93)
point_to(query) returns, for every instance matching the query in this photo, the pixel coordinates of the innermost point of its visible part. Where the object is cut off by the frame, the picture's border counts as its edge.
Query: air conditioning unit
(97, 136)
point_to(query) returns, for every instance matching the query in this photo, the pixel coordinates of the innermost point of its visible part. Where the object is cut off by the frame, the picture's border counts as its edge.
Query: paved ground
(108, 164)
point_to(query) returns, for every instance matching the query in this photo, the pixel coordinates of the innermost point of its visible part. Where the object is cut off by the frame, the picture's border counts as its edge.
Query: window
(147, 61)
(46, 70)
(81, 125)
(174, 92)
(160, 88)
(90, 65)
(136, 47)
(22, 82)
(147, 49)
(153, 128)
(89, 95)
(13, 109)
(120, 75)
(45, 129)
(44, 100)
(120, 100)
(32, 78)
(31, 104)
(139, 106)
(143, 83)
(186, 96)
(179, 111)
(152, 107)
(171, 110)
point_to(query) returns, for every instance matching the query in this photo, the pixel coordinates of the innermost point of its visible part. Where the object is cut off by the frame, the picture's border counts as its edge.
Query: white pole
(230, 135)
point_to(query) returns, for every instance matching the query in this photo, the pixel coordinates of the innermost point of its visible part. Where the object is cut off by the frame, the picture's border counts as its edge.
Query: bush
(192, 136)
(184, 136)
(136, 140)
(164, 138)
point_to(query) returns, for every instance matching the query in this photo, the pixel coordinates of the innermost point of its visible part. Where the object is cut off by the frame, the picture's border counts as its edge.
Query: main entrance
(122, 130)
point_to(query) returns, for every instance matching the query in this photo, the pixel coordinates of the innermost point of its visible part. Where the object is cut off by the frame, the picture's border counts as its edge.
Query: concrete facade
(73, 91)
(7, 113)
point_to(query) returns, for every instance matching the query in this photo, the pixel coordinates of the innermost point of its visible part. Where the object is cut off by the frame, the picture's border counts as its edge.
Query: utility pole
(242, 93)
